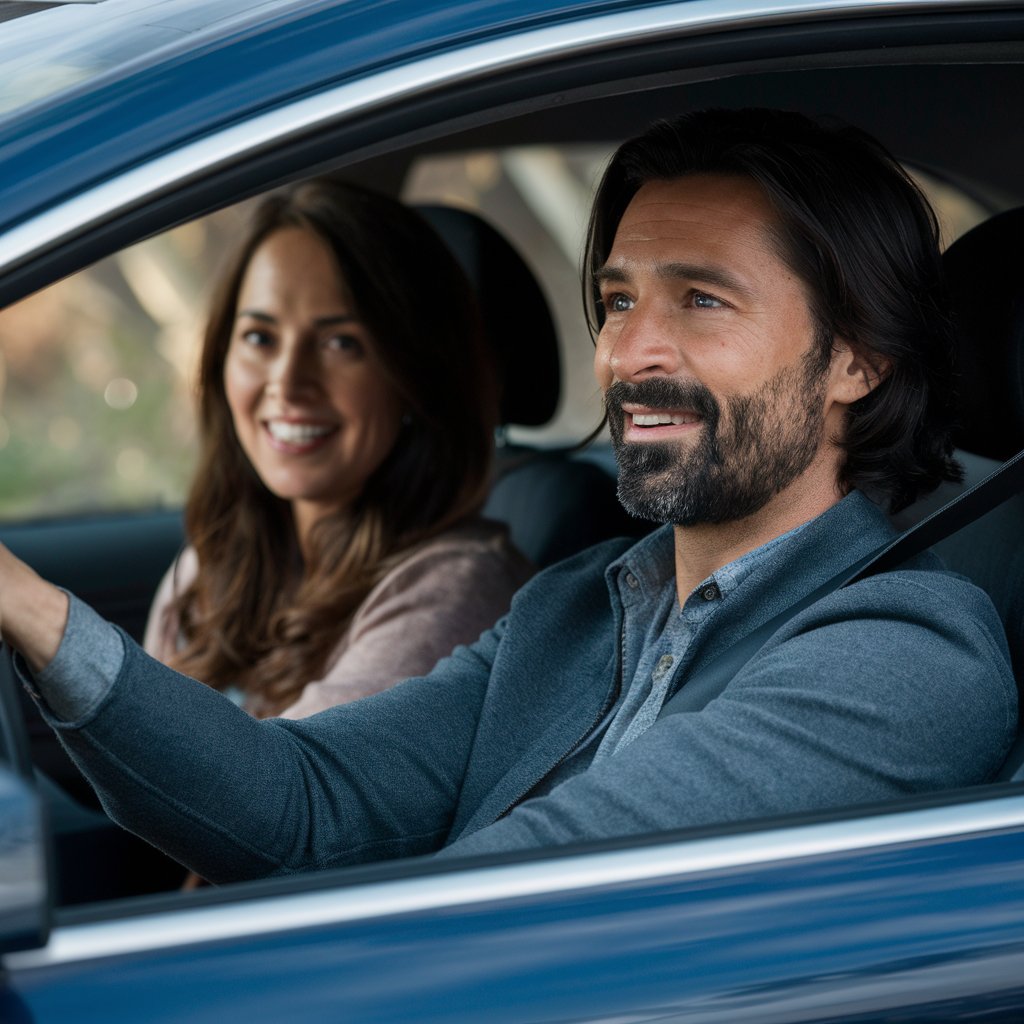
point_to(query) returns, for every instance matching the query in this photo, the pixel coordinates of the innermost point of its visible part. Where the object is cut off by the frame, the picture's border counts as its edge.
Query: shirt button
(631, 581)
(711, 592)
(661, 669)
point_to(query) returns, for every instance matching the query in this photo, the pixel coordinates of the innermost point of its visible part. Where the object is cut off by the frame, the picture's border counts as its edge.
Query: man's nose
(642, 344)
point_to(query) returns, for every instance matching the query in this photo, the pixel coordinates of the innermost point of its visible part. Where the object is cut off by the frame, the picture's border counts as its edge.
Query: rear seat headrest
(985, 270)
(516, 317)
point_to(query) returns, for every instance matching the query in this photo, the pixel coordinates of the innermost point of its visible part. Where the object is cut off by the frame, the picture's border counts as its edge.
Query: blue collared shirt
(656, 635)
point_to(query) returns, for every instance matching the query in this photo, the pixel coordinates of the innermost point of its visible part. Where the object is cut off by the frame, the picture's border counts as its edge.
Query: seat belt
(961, 511)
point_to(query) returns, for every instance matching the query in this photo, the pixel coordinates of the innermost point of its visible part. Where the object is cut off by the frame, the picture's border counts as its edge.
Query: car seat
(987, 293)
(553, 502)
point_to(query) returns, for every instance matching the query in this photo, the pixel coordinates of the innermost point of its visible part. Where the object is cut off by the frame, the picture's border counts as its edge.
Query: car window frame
(288, 143)
(386, 110)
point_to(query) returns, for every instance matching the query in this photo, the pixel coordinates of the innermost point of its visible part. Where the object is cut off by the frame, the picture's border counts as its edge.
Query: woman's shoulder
(477, 539)
(475, 552)
(180, 574)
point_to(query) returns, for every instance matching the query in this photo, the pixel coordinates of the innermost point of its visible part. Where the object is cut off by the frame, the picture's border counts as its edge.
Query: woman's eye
(343, 343)
(618, 303)
(258, 339)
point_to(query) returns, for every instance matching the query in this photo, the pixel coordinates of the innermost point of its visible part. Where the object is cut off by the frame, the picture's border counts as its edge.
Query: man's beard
(733, 468)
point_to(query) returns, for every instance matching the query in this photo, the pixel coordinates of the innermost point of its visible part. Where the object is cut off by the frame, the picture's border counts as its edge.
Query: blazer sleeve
(233, 797)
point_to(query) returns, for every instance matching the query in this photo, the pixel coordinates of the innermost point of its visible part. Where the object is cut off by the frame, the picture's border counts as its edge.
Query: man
(772, 346)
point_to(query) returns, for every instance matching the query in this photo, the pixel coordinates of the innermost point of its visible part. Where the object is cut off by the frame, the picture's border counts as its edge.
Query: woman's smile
(311, 403)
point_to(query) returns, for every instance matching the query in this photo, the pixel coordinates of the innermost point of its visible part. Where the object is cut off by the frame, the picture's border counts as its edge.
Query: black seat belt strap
(965, 508)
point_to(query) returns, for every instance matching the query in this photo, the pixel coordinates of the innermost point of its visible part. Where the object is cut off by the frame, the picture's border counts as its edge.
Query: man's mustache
(661, 393)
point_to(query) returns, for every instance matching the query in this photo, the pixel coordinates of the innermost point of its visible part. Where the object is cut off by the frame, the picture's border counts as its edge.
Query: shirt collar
(651, 563)
(730, 576)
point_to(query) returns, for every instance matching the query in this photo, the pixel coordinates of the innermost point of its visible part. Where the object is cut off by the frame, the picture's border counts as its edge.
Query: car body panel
(124, 118)
(914, 930)
(247, 69)
(912, 916)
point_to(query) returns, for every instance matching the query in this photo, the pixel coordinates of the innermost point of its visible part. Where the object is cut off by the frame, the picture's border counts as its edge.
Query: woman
(346, 418)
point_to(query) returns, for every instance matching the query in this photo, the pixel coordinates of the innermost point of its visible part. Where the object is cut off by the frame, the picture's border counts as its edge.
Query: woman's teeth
(296, 433)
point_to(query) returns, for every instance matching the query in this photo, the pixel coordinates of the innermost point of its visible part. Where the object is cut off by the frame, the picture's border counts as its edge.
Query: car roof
(153, 72)
(70, 42)
(118, 82)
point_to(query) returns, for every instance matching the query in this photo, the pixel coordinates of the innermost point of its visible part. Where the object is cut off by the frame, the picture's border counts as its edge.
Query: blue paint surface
(905, 933)
(186, 89)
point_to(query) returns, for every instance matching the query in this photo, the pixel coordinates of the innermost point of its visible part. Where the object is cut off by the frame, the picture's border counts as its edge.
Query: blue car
(133, 133)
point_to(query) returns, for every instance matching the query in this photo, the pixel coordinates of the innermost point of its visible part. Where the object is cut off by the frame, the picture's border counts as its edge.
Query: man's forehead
(710, 204)
(722, 221)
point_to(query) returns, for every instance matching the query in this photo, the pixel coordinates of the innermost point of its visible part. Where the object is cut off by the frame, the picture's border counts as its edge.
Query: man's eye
(618, 303)
(704, 301)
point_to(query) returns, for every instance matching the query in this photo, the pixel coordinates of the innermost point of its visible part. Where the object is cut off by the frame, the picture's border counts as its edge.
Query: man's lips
(646, 423)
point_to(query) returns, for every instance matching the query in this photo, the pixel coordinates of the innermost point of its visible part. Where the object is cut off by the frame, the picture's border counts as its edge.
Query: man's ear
(855, 371)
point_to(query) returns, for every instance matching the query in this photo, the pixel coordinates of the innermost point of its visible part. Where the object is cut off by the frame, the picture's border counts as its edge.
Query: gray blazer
(898, 684)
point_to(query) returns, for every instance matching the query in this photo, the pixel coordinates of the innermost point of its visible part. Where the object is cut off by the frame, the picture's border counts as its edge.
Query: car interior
(930, 107)
(991, 366)
(553, 504)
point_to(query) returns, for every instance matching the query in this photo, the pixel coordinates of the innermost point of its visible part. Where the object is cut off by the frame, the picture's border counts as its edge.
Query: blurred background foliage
(96, 372)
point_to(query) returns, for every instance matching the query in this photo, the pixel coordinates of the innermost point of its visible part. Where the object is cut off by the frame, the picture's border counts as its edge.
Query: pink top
(446, 592)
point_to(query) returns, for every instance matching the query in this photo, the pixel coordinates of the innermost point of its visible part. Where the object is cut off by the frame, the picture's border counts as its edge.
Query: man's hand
(33, 613)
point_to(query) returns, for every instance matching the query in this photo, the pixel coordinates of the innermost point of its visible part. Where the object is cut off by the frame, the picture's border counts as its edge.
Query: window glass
(97, 409)
(957, 211)
(96, 374)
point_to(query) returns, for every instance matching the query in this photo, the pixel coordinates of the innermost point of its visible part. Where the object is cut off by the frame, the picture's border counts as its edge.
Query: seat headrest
(985, 270)
(516, 319)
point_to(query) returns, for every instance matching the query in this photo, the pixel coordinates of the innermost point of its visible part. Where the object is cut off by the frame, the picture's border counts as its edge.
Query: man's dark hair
(856, 229)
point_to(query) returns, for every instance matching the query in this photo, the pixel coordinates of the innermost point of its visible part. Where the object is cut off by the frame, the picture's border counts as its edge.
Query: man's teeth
(296, 433)
(657, 419)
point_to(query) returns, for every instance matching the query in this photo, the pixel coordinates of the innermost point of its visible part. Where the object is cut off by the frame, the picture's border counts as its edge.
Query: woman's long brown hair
(257, 616)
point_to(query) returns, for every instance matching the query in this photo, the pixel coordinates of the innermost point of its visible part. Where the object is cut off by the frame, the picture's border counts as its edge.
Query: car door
(913, 911)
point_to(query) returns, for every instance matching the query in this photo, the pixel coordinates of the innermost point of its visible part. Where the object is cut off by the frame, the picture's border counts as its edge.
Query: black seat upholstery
(554, 504)
(986, 275)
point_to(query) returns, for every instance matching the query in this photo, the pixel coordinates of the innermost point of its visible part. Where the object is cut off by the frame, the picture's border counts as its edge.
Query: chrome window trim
(364, 95)
(676, 860)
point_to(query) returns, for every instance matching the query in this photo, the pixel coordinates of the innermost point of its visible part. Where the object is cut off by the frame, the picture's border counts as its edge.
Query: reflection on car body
(910, 909)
